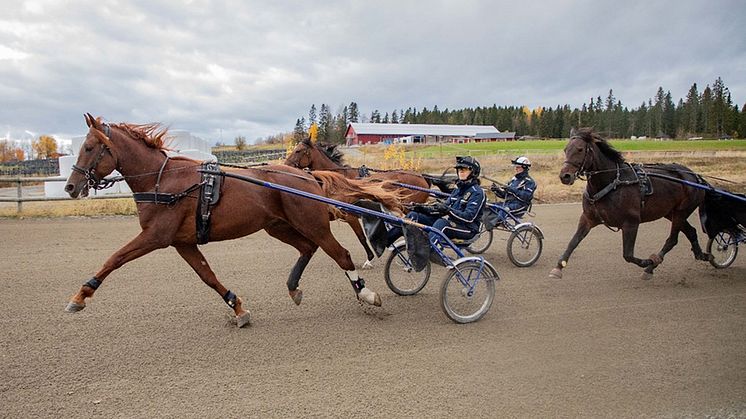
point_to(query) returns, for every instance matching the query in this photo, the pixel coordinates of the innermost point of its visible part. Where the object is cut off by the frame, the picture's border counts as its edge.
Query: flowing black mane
(332, 152)
(587, 135)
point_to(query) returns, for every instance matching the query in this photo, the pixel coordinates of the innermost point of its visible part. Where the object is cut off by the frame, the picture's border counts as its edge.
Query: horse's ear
(307, 141)
(88, 119)
(573, 132)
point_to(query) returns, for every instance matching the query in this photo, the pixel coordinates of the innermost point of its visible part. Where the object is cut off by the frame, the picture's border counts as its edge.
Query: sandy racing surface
(155, 341)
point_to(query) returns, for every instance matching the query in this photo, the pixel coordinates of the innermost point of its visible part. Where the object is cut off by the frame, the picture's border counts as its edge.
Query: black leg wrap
(358, 285)
(230, 299)
(297, 271)
(93, 283)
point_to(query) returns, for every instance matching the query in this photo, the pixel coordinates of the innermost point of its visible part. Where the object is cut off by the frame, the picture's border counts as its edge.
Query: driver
(519, 192)
(459, 215)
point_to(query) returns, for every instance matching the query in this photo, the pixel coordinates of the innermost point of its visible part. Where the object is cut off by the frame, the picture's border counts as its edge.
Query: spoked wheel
(722, 249)
(400, 275)
(482, 242)
(466, 303)
(524, 246)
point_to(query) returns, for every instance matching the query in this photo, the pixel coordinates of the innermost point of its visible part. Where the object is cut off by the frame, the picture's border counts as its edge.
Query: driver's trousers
(439, 223)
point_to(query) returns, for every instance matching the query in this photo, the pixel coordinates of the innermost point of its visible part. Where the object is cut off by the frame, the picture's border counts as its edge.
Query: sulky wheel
(468, 290)
(524, 246)
(400, 275)
(722, 249)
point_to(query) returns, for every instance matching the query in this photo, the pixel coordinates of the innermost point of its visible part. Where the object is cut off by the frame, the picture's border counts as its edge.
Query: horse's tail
(336, 186)
(721, 213)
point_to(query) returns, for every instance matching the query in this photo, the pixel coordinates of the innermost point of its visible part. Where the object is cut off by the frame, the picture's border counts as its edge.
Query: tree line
(710, 113)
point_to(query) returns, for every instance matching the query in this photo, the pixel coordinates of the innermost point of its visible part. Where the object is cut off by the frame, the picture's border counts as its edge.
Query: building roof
(422, 129)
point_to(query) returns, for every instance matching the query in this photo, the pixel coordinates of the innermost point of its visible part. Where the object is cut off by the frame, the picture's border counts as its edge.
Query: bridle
(92, 180)
(581, 169)
(306, 153)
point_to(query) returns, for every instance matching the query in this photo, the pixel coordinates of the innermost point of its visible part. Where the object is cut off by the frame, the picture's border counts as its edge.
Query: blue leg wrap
(93, 283)
(230, 299)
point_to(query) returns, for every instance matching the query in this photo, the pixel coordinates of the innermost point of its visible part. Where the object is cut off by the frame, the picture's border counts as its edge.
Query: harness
(209, 195)
(641, 178)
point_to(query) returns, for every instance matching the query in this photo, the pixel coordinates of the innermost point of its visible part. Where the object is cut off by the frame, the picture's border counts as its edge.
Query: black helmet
(469, 162)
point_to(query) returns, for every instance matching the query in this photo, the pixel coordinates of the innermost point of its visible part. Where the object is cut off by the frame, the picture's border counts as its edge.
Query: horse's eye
(88, 149)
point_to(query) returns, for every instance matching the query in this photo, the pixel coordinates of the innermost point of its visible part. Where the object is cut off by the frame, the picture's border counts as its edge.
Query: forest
(710, 113)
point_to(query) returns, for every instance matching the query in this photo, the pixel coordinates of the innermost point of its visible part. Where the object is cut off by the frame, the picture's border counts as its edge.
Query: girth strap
(209, 196)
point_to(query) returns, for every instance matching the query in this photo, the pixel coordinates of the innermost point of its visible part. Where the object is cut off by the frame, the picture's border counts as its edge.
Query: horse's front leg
(144, 243)
(629, 236)
(196, 260)
(585, 225)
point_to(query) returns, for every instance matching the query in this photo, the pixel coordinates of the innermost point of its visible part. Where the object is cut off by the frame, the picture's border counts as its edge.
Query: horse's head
(301, 156)
(578, 156)
(96, 159)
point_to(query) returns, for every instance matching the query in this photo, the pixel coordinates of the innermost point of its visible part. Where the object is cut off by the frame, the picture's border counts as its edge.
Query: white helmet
(522, 161)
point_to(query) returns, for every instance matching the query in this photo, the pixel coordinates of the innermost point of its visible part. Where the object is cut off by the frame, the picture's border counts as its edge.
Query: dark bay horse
(621, 195)
(137, 152)
(321, 156)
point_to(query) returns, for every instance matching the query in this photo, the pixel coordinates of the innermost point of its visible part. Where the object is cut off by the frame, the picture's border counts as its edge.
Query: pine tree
(692, 111)
(299, 132)
(312, 115)
(325, 123)
(353, 114)
(706, 103)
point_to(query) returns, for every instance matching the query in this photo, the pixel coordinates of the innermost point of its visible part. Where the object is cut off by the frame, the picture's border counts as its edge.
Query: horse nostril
(69, 187)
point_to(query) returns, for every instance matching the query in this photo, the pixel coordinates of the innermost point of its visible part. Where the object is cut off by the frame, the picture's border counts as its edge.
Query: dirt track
(156, 342)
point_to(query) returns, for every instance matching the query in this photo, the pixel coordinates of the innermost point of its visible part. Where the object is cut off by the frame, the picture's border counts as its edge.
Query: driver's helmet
(471, 163)
(522, 161)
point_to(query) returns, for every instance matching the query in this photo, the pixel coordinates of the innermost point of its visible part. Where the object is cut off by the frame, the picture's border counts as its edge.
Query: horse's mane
(332, 152)
(154, 135)
(587, 135)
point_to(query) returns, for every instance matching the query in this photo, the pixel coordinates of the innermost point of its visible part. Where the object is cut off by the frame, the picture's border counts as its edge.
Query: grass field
(551, 146)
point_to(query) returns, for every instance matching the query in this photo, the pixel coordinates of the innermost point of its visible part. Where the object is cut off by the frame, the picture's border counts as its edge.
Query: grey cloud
(252, 68)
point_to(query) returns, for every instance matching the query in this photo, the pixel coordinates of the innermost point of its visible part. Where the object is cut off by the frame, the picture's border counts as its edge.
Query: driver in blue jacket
(460, 214)
(519, 192)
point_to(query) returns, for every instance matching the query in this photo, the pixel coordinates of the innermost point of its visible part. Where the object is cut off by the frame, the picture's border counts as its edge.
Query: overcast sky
(252, 68)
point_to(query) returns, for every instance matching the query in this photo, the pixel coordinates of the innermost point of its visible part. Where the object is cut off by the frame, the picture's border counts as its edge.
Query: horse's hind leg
(678, 223)
(196, 260)
(691, 233)
(287, 234)
(142, 244)
(331, 247)
(354, 223)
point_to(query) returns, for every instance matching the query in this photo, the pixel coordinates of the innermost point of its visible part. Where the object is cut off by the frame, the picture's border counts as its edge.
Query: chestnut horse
(621, 195)
(321, 156)
(138, 153)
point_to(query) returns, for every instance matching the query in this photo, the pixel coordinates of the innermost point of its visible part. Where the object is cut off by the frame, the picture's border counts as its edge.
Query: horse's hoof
(367, 265)
(243, 319)
(296, 295)
(555, 273)
(656, 258)
(73, 307)
(369, 297)
(646, 276)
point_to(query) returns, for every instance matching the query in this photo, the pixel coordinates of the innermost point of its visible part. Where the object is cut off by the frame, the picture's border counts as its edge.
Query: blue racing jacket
(518, 193)
(465, 205)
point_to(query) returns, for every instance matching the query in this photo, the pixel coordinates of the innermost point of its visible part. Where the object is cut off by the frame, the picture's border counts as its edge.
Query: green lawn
(551, 146)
